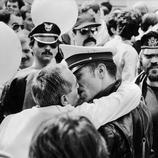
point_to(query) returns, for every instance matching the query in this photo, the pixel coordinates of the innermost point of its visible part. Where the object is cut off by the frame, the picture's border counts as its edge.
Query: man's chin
(153, 75)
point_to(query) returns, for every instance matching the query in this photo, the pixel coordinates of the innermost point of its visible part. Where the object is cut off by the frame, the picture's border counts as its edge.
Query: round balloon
(64, 13)
(10, 53)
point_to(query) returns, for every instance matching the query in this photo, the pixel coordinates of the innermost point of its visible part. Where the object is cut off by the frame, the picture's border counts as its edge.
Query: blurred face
(12, 7)
(27, 55)
(73, 95)
(86, 36)
(44, 53)
(16, 23)
(150, 63)
(28, 22)
(89, 83)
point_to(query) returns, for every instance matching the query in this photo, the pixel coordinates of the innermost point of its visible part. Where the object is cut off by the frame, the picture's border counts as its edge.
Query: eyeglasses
(17, 26)
(87, 30)
(52, 45)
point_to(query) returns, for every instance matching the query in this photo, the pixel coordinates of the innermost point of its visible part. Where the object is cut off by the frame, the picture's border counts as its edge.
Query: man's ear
(64, 100)
(101, 70)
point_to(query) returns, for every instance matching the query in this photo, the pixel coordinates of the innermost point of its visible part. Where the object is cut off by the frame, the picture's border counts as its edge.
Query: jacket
(151, 98)
(131, 135)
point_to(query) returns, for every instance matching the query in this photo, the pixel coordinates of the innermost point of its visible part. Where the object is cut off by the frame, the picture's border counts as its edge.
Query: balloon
(10, 53)
(64, 13)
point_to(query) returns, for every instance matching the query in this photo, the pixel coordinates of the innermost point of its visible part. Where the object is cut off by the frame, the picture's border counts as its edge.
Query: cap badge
(153, 42)
(48, 27)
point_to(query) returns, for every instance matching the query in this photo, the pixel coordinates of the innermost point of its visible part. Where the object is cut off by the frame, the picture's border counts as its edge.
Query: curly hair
(128, 23)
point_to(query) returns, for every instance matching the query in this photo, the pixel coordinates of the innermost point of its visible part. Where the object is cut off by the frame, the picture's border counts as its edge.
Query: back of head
(67, 137)
(128, 23)
(49, 85)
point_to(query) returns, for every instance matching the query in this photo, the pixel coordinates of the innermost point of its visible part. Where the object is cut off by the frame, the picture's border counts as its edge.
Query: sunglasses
(87, 30)
(42, 45)
(17, 26)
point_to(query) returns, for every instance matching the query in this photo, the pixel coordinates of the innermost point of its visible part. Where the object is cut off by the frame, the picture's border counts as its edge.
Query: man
(85, 30)
(14, 6)
(148, 79)
(125, 55)
(54, 88)
(44, 43)
(13, 21)
(96, 75)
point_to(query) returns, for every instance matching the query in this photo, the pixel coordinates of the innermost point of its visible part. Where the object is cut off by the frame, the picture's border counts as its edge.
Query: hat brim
(84, 25)
(47, 39)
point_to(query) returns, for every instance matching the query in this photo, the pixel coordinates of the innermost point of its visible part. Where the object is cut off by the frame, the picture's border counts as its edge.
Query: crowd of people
(89, 93)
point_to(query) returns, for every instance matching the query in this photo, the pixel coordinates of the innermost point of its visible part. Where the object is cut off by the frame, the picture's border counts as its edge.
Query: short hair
(20, 2)
(128, 23)
(149, 19)
(67, 137)
(111, 21)
(49, 85)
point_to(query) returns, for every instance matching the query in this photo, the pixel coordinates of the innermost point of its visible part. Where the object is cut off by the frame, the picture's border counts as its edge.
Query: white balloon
(10, 53)
(64, 13)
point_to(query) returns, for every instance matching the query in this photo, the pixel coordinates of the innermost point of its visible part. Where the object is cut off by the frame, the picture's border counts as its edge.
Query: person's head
(128, 24)
(14, 6)
(13, 21)
(28, 23)
(27, 54)
(67, 137)
(106, 7)
(94, 69)
(111, 22)
(16, 22)
(44, 43)
(55, 85)
(149, 55)
(149, 20)
(85, 30)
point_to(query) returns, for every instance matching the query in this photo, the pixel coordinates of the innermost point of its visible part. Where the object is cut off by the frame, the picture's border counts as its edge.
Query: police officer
(44, 43)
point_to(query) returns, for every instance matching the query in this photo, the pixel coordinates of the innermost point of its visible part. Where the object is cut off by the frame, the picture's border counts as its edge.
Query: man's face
(27, 55)
(16, 23)
(28, 22)
(73, 95)
(12, 7)
(89, 83)
(45, 52)
(86, 36)
(150, 63)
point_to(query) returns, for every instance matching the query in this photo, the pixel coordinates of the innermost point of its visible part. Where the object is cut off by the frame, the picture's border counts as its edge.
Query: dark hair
(20, 2)
(67, 137)
(128, 23)
(111, 22)
(4, 16)
(49, 85)
(149, 19)
(111, 66)
(108, 5)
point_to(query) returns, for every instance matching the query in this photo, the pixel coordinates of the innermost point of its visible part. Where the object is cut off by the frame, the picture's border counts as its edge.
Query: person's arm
(109, 108)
